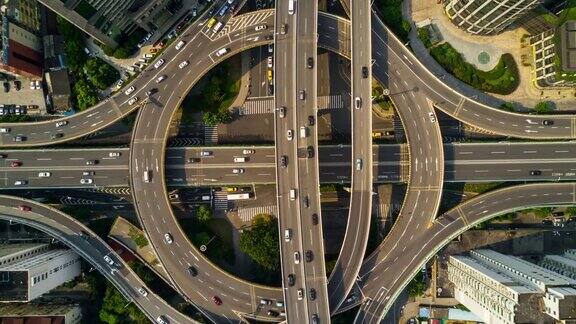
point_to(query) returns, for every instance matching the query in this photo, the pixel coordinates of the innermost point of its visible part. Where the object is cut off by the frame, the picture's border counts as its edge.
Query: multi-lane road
(466, 162)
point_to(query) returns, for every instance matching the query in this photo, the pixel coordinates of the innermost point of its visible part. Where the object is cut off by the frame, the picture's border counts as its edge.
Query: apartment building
(487, 17)
(29, 270)
(506, 289)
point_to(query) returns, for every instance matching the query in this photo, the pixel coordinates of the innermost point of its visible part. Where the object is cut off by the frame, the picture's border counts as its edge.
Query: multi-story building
(506, 289)
(29, 270)
(487, 17)
(41, 312)
(550, 47)
(106, 20)
(564, 264)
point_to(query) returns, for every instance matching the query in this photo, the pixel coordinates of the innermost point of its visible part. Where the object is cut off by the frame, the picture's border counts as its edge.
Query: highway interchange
(414, 90)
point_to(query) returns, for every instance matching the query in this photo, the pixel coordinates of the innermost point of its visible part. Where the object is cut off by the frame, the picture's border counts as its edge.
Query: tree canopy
(261, 242)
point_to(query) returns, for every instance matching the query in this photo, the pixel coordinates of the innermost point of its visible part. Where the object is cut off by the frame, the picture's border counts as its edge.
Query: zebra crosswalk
(246, 214)
(220, 200)
(249, 20)
(210, 135)
(265, 105)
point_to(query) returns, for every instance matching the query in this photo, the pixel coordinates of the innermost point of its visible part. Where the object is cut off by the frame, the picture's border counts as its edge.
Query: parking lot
(17, 98)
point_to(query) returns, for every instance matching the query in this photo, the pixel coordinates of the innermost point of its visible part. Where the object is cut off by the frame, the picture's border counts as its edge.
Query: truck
(239, 159)
(239, 196)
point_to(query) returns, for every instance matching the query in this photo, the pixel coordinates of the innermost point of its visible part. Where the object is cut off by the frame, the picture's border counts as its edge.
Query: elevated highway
(93, 249)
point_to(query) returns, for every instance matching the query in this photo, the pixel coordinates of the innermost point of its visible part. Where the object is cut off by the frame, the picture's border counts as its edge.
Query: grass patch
(502, 79)
(138, 237)
(481, 187)
(213, 235)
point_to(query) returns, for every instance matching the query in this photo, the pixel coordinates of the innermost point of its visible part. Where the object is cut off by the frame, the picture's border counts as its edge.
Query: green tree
(571, 211)
(541, 212)
(115, 309)
(203, 213)
(543, 107)
(101, 73)
(261, 242)
(417, 286)
(424, 36)
(142, 271)
(508, 106)
(86, 96)
(213, 118)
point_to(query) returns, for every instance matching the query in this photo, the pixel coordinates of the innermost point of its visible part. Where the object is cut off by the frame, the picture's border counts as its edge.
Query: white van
(291, 4)
(179, 45)
(239, 159)
(147, 175)
(303, 132)
(287, 234)
(206, 198)
(222, 51)
(217, 27)
(292, 194)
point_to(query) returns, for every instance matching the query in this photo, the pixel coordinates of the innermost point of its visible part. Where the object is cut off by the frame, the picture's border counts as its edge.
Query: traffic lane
(510, 150)
(448, 226)
(66, 157)
(255, 154)
(62, 178)
(462, 108)
(68, 228)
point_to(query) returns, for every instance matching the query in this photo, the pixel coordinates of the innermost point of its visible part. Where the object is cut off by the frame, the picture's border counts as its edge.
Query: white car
(296, 257)
(133, 100)
(248, 152)
(432, 117)
(206, 153)
(86, 181)
(129, 90)
(300, 294)
(161, 78)
(168, 238)
(260, 27)
(183, 64)
(62, 123)
(289, 134)
(159, 63)
(269, 62)
(237, 171)
(20, 182)
(119, 83)
(108, 260)
(44, 174)
(143, 291)
(114, 154)
(357, 103)
(4, 130)
(179, 45)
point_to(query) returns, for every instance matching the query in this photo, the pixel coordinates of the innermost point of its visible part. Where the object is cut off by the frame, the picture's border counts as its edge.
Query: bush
(391, 14)
(508, 106)
(502, 79)
(220, 117)
(203, 213)
(116, 310)
(417, 286)
(543, 107)
(571, 211)
(138, 237)
(424, 36)
(541, 212)
(85, 94)
(261, 242)
(101, 73)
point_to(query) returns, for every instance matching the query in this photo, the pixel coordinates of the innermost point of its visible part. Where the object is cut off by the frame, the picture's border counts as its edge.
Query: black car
(311, 120)
(283, 161)
(192, 271)
(547, 122)
(17, 85)
(364, 72)
(193, 160)
(57, 135)
(91, 162)
(535, 172)
(311, 294)
(310, 151)
(291, 280)
(309, 256)
(547, 222)
(3, 156)
(310, 63)
(307, 202)
(6, 86)
(151, 92)
(314, 219)
(315, 319)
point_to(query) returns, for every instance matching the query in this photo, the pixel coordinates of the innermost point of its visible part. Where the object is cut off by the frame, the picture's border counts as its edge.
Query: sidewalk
(244, 82)
(527, 94)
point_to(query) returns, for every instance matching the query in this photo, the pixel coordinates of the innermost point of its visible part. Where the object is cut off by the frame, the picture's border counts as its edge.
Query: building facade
(40, 312)
(506, 289)
(487, 17)
(29, 270)
(105, 20)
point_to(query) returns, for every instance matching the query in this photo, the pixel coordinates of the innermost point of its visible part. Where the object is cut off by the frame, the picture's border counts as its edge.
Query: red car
(15, 164)
(217, 300)
(24, 208)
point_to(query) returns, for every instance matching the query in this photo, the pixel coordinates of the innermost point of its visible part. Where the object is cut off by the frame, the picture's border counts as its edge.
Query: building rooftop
(568, 45)
(9, 249)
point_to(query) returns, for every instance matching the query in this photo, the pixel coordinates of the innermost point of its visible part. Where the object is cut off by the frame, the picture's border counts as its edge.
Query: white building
(487, 17)
(30, 270)
(506, 289)
(564, 264)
